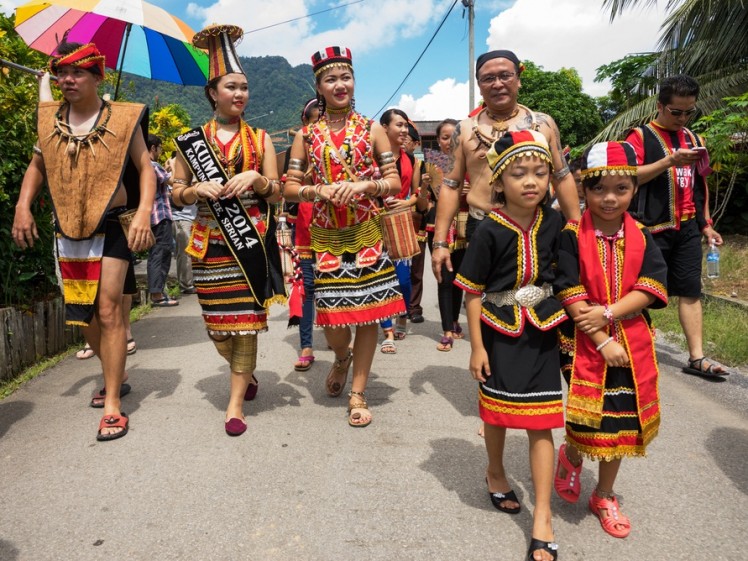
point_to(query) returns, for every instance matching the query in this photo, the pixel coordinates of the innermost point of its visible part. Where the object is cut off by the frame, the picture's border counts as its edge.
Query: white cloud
(573, 33)
(554, 35)
(9, 6)
(363, 27)
(443, 94)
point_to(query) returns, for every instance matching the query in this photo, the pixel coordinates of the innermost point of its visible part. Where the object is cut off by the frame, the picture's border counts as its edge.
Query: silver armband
(296, 164)
(451, 183)
(563, 172)
(386, 158)
(37, 150)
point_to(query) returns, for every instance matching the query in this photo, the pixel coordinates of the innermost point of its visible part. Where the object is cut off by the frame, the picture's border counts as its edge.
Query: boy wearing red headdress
(84, 145)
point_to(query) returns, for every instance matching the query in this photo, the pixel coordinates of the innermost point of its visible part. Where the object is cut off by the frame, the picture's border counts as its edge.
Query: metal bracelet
(443, 245)
(296, 164)
(451, 183)
(180, 181)
(386, 158)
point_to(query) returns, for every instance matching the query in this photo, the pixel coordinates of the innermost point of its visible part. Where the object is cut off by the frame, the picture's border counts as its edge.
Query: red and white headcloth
(609, 158)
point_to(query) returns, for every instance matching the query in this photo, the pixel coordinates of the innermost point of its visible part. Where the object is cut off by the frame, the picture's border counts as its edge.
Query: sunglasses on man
(681, 112)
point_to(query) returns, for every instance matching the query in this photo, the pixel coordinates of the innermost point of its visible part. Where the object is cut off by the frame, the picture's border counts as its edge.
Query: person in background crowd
(159, 256)
(673, 202)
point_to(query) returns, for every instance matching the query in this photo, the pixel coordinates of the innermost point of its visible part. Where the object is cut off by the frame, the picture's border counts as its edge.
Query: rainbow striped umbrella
(135, 36)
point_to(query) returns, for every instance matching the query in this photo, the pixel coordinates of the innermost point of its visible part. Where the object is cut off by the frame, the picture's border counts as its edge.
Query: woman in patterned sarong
(233, 298)
(355, 282)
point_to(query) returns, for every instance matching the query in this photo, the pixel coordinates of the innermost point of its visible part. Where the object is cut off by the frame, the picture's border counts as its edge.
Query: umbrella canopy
(135, 36)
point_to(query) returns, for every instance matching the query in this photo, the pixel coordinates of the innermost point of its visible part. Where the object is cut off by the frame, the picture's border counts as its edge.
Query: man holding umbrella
(84, 144)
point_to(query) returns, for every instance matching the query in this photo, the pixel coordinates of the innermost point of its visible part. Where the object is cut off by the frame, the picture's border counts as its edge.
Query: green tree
(629, 79)
(726, 134)
(24, 275)
(560, 95)
(706, 39)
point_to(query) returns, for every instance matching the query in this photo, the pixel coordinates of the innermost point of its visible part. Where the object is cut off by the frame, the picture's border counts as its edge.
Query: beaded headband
(609, 158)
(513, 145)
(331, 57)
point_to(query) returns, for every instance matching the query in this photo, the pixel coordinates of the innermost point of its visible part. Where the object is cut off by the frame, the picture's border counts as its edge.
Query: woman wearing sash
(235, 258)
(355, 281)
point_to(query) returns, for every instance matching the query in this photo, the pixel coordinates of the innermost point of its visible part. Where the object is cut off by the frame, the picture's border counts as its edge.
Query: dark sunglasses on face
(681, 112)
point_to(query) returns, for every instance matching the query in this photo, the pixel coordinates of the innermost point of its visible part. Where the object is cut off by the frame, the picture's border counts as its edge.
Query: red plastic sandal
(613, 521)
(569, 487)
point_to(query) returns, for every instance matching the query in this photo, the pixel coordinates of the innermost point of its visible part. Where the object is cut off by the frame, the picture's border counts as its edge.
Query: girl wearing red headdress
(610, 270)
(355, 281)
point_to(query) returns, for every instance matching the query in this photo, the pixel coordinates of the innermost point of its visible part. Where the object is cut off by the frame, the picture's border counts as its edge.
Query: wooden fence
(29, 335)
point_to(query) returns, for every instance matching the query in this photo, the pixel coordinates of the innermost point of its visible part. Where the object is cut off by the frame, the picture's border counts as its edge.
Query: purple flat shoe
(251, 392)
(235, 427)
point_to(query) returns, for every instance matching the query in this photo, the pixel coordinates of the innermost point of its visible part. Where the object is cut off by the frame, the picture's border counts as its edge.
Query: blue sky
(387, 36)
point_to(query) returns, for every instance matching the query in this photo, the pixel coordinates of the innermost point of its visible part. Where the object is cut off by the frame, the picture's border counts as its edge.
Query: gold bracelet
(265, 189)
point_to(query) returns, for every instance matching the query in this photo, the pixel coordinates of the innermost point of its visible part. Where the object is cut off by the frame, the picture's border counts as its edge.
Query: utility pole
(470, 5)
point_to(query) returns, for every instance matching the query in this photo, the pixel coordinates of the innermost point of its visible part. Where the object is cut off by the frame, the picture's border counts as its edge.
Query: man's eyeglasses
(504, 77)
(681, 112)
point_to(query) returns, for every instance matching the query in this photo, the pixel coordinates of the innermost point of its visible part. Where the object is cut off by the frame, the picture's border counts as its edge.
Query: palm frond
(706, 34)
(617, 7)
(715, 86)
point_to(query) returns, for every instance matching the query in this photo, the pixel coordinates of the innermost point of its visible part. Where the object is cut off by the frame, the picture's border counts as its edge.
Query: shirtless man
(498, 75)
(83, 146)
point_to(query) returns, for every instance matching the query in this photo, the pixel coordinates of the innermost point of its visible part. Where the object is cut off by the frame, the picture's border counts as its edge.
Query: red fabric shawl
(406, 175)
(585, 401)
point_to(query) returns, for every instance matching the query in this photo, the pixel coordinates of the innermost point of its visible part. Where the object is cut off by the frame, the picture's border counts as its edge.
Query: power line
(418, 59)
(303, 17)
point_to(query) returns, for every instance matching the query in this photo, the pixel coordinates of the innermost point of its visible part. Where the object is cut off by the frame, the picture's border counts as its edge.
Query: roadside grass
(725, 318)
(7, 387)
(725, 330)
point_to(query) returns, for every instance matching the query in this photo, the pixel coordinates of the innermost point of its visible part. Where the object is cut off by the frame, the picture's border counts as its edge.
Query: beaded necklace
(498, 127)
(74, 141)
(244, 144)
(500, 124)
(345, 150)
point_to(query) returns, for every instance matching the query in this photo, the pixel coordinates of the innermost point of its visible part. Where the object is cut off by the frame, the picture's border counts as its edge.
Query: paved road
(302, 485)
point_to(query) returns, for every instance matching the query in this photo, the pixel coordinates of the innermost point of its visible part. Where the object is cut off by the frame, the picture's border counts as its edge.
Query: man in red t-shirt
(673, 202)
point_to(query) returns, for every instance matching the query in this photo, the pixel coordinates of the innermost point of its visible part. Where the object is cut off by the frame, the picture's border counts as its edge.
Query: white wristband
(601, 345)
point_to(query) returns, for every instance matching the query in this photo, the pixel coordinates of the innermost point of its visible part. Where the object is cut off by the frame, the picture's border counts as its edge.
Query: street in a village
(302, 485)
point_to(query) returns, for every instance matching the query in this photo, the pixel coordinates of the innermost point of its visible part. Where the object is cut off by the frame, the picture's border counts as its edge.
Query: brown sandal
(340, 366)
(359, 403)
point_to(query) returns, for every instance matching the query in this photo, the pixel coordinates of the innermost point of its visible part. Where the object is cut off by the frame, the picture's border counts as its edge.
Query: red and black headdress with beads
(331, 56)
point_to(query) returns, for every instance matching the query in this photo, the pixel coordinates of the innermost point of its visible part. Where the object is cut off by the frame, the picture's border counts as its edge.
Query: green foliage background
(560, 95)
(30, 274)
